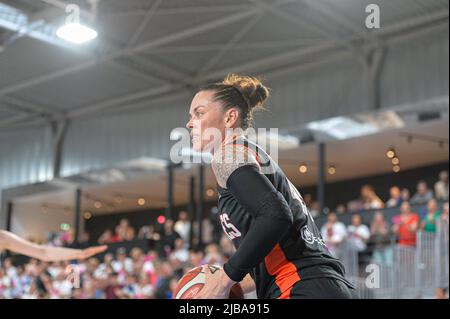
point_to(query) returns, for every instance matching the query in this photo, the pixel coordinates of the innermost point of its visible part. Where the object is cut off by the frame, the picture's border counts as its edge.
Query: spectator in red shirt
(406, 225)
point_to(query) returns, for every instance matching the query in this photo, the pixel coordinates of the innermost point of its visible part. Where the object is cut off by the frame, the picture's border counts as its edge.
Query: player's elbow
(277, 209)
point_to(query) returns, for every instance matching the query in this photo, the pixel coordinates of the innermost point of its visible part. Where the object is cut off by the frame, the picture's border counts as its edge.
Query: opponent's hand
(217, 284)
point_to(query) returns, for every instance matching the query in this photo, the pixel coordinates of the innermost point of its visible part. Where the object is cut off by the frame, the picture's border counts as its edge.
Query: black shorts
(323, 288)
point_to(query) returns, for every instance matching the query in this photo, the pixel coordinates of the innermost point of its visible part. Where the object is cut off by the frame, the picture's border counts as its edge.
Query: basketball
(194, 280)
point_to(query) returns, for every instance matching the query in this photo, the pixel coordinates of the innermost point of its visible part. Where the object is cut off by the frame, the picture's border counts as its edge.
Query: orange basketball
(194, 280)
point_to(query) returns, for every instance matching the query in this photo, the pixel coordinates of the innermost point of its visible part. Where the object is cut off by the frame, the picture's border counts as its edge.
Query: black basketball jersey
(301, 253)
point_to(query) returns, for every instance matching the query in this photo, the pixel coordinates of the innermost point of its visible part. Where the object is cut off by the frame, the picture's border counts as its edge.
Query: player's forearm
(59, 253)
(248, 284)
(19, 245)
(264, 234)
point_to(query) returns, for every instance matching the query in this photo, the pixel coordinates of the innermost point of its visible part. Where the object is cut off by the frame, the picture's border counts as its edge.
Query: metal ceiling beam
(240, 46)
(304, 24)
(120, 65)
(126, 67)
(263, 64)
(169, 73)
(227, 47)
(189, 32)
(145, 21)
(13, 119)
(325, 9)
(27, 106)
(177, 11)
(123, 99)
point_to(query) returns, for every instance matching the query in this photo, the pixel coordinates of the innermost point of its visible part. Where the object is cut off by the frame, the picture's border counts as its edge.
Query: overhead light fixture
(97, 204)
(73, 31)
(87, 215)
(390, 153)
(303, 168)
(210, 192)
(395, 161)
(141, 201)
(332, 170)
(396, 168)
(76, 33)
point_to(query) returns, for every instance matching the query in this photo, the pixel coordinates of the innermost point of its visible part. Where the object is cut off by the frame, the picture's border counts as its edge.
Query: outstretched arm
(19, 245)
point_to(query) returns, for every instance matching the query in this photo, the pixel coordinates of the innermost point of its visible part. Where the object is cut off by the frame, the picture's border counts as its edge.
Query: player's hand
(217, 284)
(91, 251)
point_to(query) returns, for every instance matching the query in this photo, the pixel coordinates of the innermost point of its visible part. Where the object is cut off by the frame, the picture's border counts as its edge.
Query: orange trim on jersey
(285, 272)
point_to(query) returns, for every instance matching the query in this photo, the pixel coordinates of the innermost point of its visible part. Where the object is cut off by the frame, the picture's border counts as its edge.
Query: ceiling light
(303, 168)
(76, 33)
(331, 170)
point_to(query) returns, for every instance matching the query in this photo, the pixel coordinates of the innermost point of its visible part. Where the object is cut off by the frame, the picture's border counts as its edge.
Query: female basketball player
(263, 214)
(14, 243)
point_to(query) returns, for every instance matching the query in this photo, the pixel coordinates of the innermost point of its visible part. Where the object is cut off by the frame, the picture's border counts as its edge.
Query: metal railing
(405, 272)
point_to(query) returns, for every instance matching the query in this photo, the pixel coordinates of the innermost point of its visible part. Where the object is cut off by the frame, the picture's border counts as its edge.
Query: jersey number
(229, 229)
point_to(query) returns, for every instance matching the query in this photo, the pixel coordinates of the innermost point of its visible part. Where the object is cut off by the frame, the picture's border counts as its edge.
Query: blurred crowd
(133, 275)
(369, 200)
(381, 233)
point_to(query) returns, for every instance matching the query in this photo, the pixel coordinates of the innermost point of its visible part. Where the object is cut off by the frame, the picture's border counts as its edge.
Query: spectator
(405, 195)
(207, 231)
(165, 274)
(183, 226)
(213, 256)
(406, 225)
(130, 234)
(370, 200)
(180, 252)
(358, 233)
(123, 264)
(146, 289)
(168, 237)
(380, 238)
(432, 216)
(423, 194)
(334, 234)
(146, 232)
(441, 293)
(117, 237)
(396, 199)
(315, 209)
(106, 237)
(137, 257)
(441, 186)
(113, 288)
(340, 209)
(444, 216)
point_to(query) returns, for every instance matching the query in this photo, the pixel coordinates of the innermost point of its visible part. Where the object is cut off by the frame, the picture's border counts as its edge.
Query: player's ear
(230, 117)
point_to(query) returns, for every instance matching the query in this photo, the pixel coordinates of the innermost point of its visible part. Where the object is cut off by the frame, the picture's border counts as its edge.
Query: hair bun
(251, 88)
